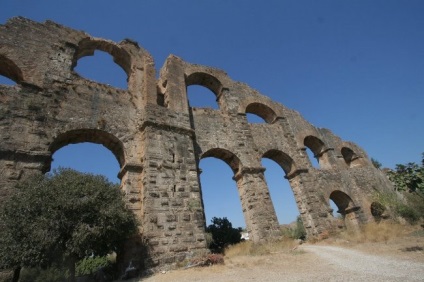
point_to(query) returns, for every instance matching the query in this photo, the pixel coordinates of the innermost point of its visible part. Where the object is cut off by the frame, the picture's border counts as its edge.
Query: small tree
(223, 234)
(376, 163)
(409, 177)
(63, 217)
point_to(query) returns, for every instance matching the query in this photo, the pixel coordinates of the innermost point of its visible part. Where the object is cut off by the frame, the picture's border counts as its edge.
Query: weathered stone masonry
(158, 139)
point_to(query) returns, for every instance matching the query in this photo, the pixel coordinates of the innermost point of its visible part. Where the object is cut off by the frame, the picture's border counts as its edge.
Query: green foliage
(62, 218)
(51, 274)
(296, 232)
(409, 177)
(392, 202)
(89, 265)
(223, 234)
(408, 213)
(376, 163)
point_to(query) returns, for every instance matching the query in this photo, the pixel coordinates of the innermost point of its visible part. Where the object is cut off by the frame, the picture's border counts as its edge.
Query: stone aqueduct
(158, 139)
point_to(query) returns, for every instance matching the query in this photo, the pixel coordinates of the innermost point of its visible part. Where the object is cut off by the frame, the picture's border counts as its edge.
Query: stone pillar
(258, 210)
(312, 206)
(173, 222)
(134, 252)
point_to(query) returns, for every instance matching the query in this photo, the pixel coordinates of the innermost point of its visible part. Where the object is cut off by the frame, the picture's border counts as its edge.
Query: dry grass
(247, 248)
(376, 232)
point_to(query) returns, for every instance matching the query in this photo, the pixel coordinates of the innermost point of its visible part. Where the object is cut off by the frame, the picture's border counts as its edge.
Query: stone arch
(207, 80)
(228, 157)
(350, 157)
(283, 160)
(88, 46)
(319, 150)
(343, 202)
(262, 110)
(347, 208)
(10, 70)
(90, 135)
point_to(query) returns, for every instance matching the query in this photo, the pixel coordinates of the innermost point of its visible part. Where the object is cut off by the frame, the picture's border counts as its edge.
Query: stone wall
(158, 140)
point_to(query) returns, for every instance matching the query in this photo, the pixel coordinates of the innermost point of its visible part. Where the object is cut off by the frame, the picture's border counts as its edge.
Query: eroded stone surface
(158, 140)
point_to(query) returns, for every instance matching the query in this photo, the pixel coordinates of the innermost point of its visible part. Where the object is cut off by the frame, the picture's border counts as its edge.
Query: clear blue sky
(355, 67)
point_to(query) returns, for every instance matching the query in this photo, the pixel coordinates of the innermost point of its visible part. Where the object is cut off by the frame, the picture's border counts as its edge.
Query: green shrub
(90, 265)
(408, 213)
(296, 232)
(51, 274)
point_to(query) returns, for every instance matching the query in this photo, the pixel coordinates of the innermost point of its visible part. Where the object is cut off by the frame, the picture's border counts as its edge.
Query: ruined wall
(158, 139)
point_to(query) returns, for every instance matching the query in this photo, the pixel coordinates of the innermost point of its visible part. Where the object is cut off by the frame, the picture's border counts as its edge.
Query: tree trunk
(71, 267)
(16, 273)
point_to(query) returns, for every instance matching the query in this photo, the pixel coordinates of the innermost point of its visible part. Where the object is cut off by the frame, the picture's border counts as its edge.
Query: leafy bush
(51, 274)
(296, 232)
(90, 265)
(63, 217)
(408, 213)
(223, 234)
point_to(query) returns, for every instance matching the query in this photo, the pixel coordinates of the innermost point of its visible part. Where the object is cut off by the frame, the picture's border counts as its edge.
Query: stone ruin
(158, 140)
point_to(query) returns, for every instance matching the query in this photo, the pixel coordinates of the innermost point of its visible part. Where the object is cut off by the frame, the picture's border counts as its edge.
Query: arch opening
(88, 158)
(350, 157)
(252, 118)
(281, 192)
(316, 151)
(220, 195)
(346, 208)
(282, 159)
(206, 80)
(228, 157)
(262, 111)
(92, 136)
(10, 74)
(101, 68)
(197, 86)
(6, 81)
(334, 209)
(345, 205)
(312, 158)
(201, 97)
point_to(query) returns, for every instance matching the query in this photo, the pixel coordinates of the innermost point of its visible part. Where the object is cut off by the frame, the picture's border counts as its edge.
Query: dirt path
(306, 263)
(354, 265)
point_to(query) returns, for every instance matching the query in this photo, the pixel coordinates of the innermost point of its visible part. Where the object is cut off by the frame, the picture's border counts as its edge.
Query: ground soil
(398, 259)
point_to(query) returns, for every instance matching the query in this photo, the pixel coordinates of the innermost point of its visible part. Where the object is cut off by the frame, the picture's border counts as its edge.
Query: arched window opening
(88, 158)
(10, 74)
(262, 111)
(282, 159)
(201, 97)
(343, 202)
(93, 136)
(316, 152)
(350, 157)
(314, 160)
(347, 210)
(334, 210)
(6, 81)
(219, 192)
(101, 67)
(281, 193)
(252, 118)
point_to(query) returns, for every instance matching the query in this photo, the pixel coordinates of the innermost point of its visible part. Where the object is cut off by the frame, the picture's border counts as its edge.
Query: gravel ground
(352, 265)
(381, 262)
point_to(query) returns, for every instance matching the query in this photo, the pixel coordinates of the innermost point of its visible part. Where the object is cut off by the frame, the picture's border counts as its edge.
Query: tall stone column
(173, 222)
(258, 210)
